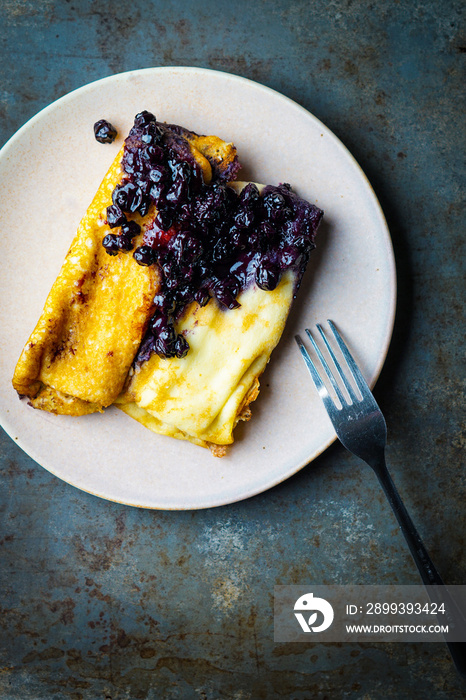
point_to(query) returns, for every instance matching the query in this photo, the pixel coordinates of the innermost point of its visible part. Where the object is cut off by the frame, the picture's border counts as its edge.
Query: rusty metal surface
(100, 600)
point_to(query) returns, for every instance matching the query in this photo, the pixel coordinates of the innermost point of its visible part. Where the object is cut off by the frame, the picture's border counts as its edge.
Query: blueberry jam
(104, 132)
(208, 241)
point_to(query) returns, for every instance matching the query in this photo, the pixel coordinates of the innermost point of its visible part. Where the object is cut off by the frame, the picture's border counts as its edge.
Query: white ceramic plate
(50, 171)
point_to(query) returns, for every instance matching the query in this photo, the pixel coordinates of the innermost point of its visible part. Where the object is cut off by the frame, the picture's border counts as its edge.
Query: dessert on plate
(174, 292)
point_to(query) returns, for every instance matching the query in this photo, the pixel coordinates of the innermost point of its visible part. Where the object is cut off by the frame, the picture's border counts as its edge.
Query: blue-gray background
(99, 600)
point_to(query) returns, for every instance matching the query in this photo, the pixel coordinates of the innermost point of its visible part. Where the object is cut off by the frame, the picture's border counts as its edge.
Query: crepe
(201, 397)
(85, 351)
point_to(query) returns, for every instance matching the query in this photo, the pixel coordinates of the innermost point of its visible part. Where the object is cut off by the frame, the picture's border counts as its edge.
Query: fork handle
(429, 573)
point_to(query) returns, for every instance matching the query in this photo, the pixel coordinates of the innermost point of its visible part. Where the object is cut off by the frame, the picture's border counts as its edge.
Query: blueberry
(254, 241)
(164, 303)
(147, 138)
(125, 242)
(143, 184)
(143, 207)
(127, 196)
(239, 270)
(181, 346)
(219, 194)
(150, 135)
(185, 215)
(244, 217)
(267, 275)
(183, 171)
(202, 297)
(273, 203)
(131, 228)
(184, 294)
(156, 191)
(152, 155)
(143, 118)
(104, 132)
(180, 169)
(130, 162)
(171, 282)
(110, 243)
(144, 255)
(232, 285)
(295, 234)
(226, 296)
(158, 173)
(238, 238)
(165, 341)
(164, 219)
(288, 257)
(178, 192)
(204, 209)
(159, 322)
(301, 242)
(145, 349)
(249, 195)
(185, 247)
(266, 232)
(115, 216)
(221, 251)
(119, 195)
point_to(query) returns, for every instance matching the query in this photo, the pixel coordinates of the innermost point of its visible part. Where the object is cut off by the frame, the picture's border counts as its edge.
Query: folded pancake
(77, 358)
(174, 293)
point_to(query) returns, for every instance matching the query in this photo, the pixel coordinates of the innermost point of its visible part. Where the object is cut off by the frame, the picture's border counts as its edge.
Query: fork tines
(321, 388)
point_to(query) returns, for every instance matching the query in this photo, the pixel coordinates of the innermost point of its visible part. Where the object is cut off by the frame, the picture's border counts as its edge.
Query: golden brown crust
(244, 412)
(217, 450)
(48, 399)
(94, 318)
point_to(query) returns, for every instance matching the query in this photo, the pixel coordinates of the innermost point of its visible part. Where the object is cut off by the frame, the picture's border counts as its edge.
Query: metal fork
(361, 428)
